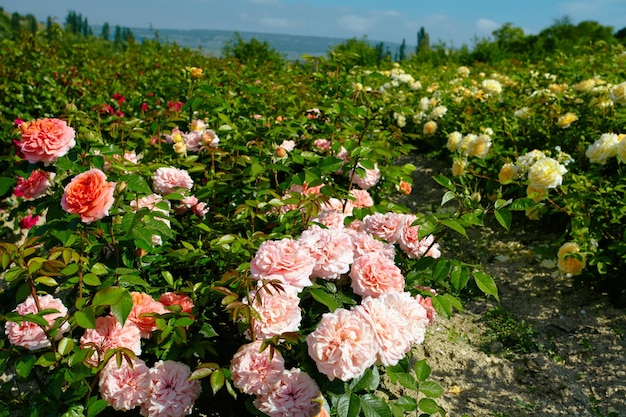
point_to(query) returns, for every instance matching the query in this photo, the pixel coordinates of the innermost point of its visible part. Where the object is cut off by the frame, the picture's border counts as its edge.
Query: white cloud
(486, 26)
(354, 23)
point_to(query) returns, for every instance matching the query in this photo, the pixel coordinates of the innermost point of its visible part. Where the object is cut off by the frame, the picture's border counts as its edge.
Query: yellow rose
(566, 120)
(458, 167)
(195, 72)
(430, 127)
(507, 173)
(570, 259)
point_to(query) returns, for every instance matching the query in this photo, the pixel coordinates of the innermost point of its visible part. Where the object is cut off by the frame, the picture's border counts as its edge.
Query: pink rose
(362, 198)
(368, 179)
(414, 315)
(29, 221)
(414, 247)
(168, 299)
(342, 345)
(330, 218)
(331, 249)
(386, 226)
(322, 144)
(169, 180)
(294, 395)
(125, 388)
(288, 145)
(363, 242)
(374, 274)
(89, 195)
(31, 335)
(285, 260)
(279, 313)
(109, 334)
(45, 140)
(392, 341)
(37, 183)
(427, 303)
(144, 312)
(253, 371)
(171, 393)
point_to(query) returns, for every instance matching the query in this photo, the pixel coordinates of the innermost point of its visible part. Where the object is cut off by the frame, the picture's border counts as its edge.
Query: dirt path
(561, 349)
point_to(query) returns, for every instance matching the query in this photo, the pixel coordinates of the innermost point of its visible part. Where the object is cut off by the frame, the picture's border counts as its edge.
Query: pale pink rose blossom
(89, 195)
(342, 345)
(292, 397)
(30, 335)
(253, 371)
(363, 242)
(35, 185)
(109, 334)
(386, 226)
(167, 180)
(427, 303)
(288, 145)
(45, 140)
(279, 313)
(374, 274)
(412, 245)
(330, 218)
(344, 207)
(388, 326)
(143, 313)
(362, 198)
(322, 144)
(331, 249)
(200, 209)
(193, 140)
(171, 393)
(414, 315)
(285, 260)
(131, 157)
(124, 388)
(370, 179)
(305, 189)
(343, 154)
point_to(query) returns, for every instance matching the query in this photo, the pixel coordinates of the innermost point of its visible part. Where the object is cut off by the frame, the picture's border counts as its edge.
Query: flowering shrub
(209, 238)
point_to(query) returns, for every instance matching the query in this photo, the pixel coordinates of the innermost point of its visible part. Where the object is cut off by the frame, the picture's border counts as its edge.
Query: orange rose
(89, 195)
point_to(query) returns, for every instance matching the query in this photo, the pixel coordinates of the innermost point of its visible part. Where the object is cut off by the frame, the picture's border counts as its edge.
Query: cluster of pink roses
(381, 330)
(162, 391)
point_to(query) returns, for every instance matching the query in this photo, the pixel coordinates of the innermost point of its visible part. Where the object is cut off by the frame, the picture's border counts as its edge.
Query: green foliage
(513, 335)
(252, 52)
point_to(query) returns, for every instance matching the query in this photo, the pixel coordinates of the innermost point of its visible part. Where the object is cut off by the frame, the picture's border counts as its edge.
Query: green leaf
(169, 278)
(442, 305)
(454, 225)
(122, 307)
(85, 318)
(95, 406)
(99, 269)
(65, 345)
(407, 403)
(486, 284)
(136, 183)
(369, 381)
(503, 216)
(522, 204)
(459, 277)
(422, 370)
(24, 364)
(373, 406)
(108, 296)
(449, 195)
(441, 270)
(76, 410)
(5, 184)
(430, 406)
(444, 182)
(91, 280)
(431, 389)
(324, 298)
(348, 405)
(217, 379)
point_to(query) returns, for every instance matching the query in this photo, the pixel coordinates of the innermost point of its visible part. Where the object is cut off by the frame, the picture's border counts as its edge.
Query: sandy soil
(574, 363)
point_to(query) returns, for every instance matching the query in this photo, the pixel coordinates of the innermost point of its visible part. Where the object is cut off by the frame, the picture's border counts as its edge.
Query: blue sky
(454, 22)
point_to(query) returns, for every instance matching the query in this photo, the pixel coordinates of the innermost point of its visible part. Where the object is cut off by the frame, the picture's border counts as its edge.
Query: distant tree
(509, 38)
(127, 36)
(423, 41)
(358, 52)
(118, 36)
(251, 52)
(402, 51)
(106, 31)
(31, 24)
(86, 29)
(620, 35)
(15, 22)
